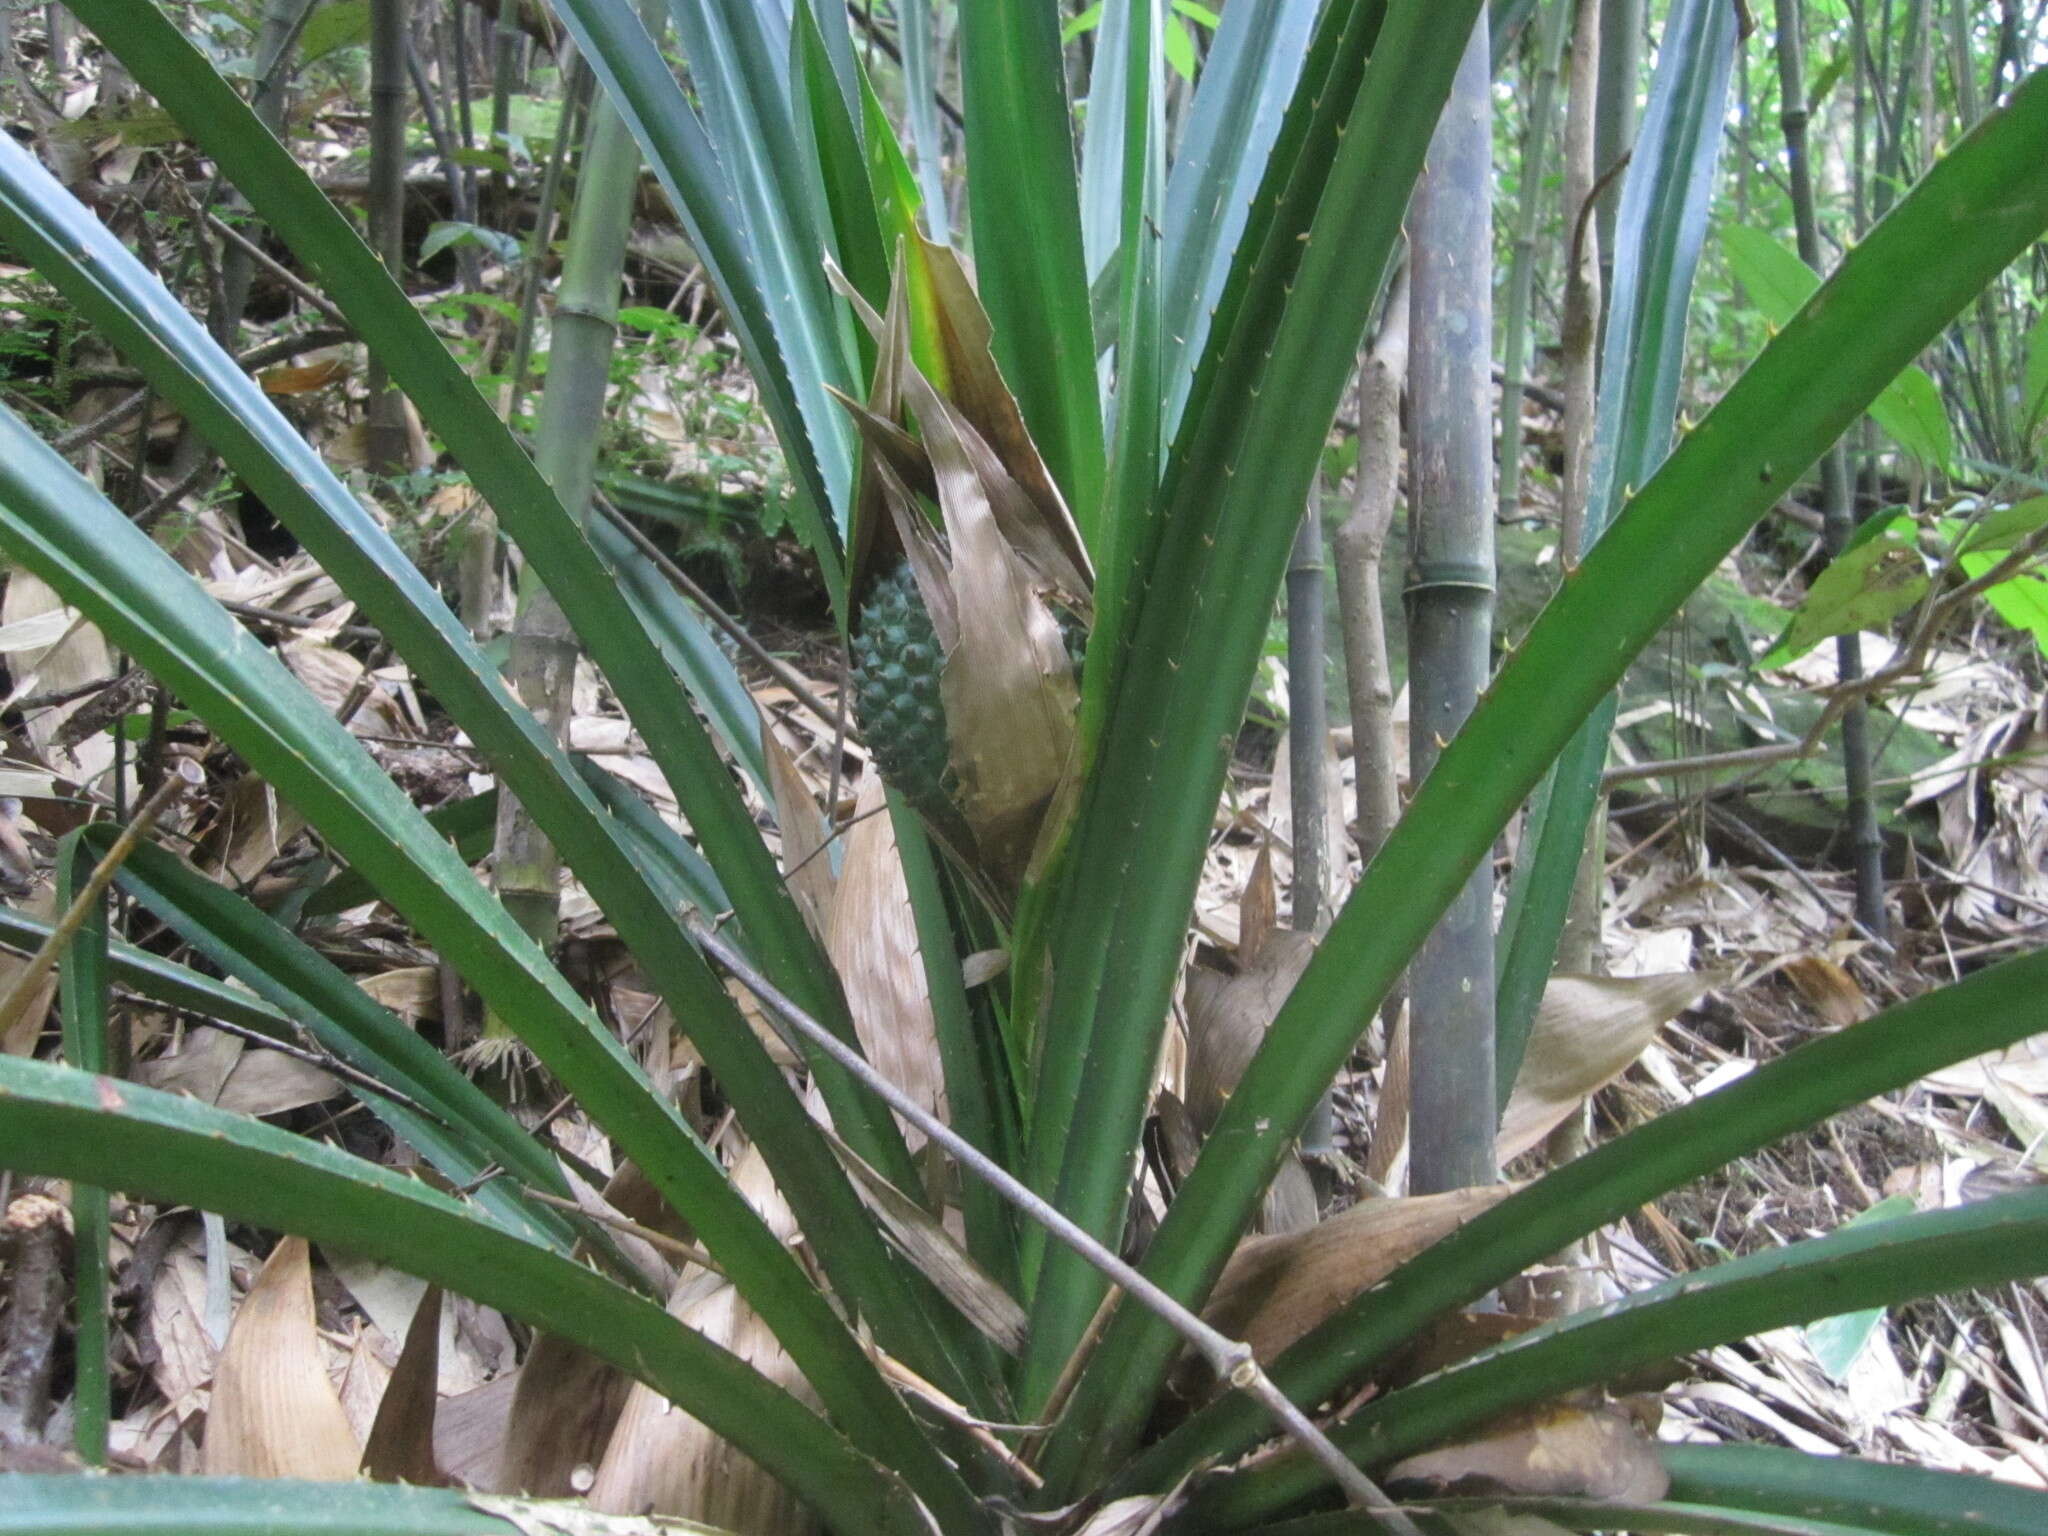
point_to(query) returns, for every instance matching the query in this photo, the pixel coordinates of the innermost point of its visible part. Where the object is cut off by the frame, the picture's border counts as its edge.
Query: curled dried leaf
(401, 1442)
(805, 866)
(1559, 1450)
(663, 1461)
(1275, 1289)
(1228, 1016)
(872, 939)
(1588, 1031)
(274, 1411)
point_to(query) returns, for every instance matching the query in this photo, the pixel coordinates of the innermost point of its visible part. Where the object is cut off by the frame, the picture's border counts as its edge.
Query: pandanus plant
(1111, 424)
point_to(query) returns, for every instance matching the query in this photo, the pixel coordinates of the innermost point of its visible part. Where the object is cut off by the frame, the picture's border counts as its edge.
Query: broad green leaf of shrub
(1911, 412)
(452, 232)
(1879, 576)
(1179, 47)
(344, 24)
(1777, 281)
(1909, 409)
(2000, 529)
(2022, 601)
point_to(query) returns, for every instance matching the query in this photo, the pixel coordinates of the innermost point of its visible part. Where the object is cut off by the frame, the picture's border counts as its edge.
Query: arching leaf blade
(171, 1148)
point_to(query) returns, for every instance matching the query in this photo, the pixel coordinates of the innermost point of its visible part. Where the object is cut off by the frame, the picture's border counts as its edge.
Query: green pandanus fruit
(897, 665)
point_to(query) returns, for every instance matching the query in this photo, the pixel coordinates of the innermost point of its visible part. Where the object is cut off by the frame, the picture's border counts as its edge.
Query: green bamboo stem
(1614, 130)
(576, 92)
(545, 648)
(1450, 612)
(387, 426)
(1522, 273)
(1866, 846)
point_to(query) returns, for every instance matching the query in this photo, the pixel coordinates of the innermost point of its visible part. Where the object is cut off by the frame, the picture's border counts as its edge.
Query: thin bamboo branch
(1231, 1359)
(1308, 720)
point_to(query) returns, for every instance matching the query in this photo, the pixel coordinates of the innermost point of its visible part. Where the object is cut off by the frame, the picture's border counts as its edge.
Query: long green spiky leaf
(686, 643)
(166, 1147)
(831, 138)
(166, 64)
(470, 823)
(915, 26)
(1661, 228)
(1972, 214)
(1984, 1013)
(1903, 1501)
(304, 986)
(1761, 1490)
(62, 528)
(237, 1506)
(1808, 1495)
(980, 1104)
(637, 78)
(458, 1154)
(1027, 237)
(1243, 462)
(361, 556)
(1283, 209)
(1231, 127)
(1872, 1265)
(1130, 506)
(738, 53)
(1577, 1515)
(1102, 142)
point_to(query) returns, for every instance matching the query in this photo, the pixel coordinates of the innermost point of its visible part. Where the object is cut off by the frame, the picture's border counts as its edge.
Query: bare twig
(1710, 762)
(176, 492)
(1232, 1360)
(661, 1242)
(1910, 659)
(305, 291)
(277, 620)
(281, 350)
(186, 776)
(322, 1058)
(681, 580)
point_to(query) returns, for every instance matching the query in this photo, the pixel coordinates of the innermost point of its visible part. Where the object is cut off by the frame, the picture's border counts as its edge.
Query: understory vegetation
(1014, 766)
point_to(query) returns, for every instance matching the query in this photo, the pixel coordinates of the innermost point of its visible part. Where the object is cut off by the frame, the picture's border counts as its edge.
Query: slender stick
(1538, 130)
(44, 960)
(1232, 1360)
(682, 581)
(1837, 498)
(1308, 717)
(661, 1242)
